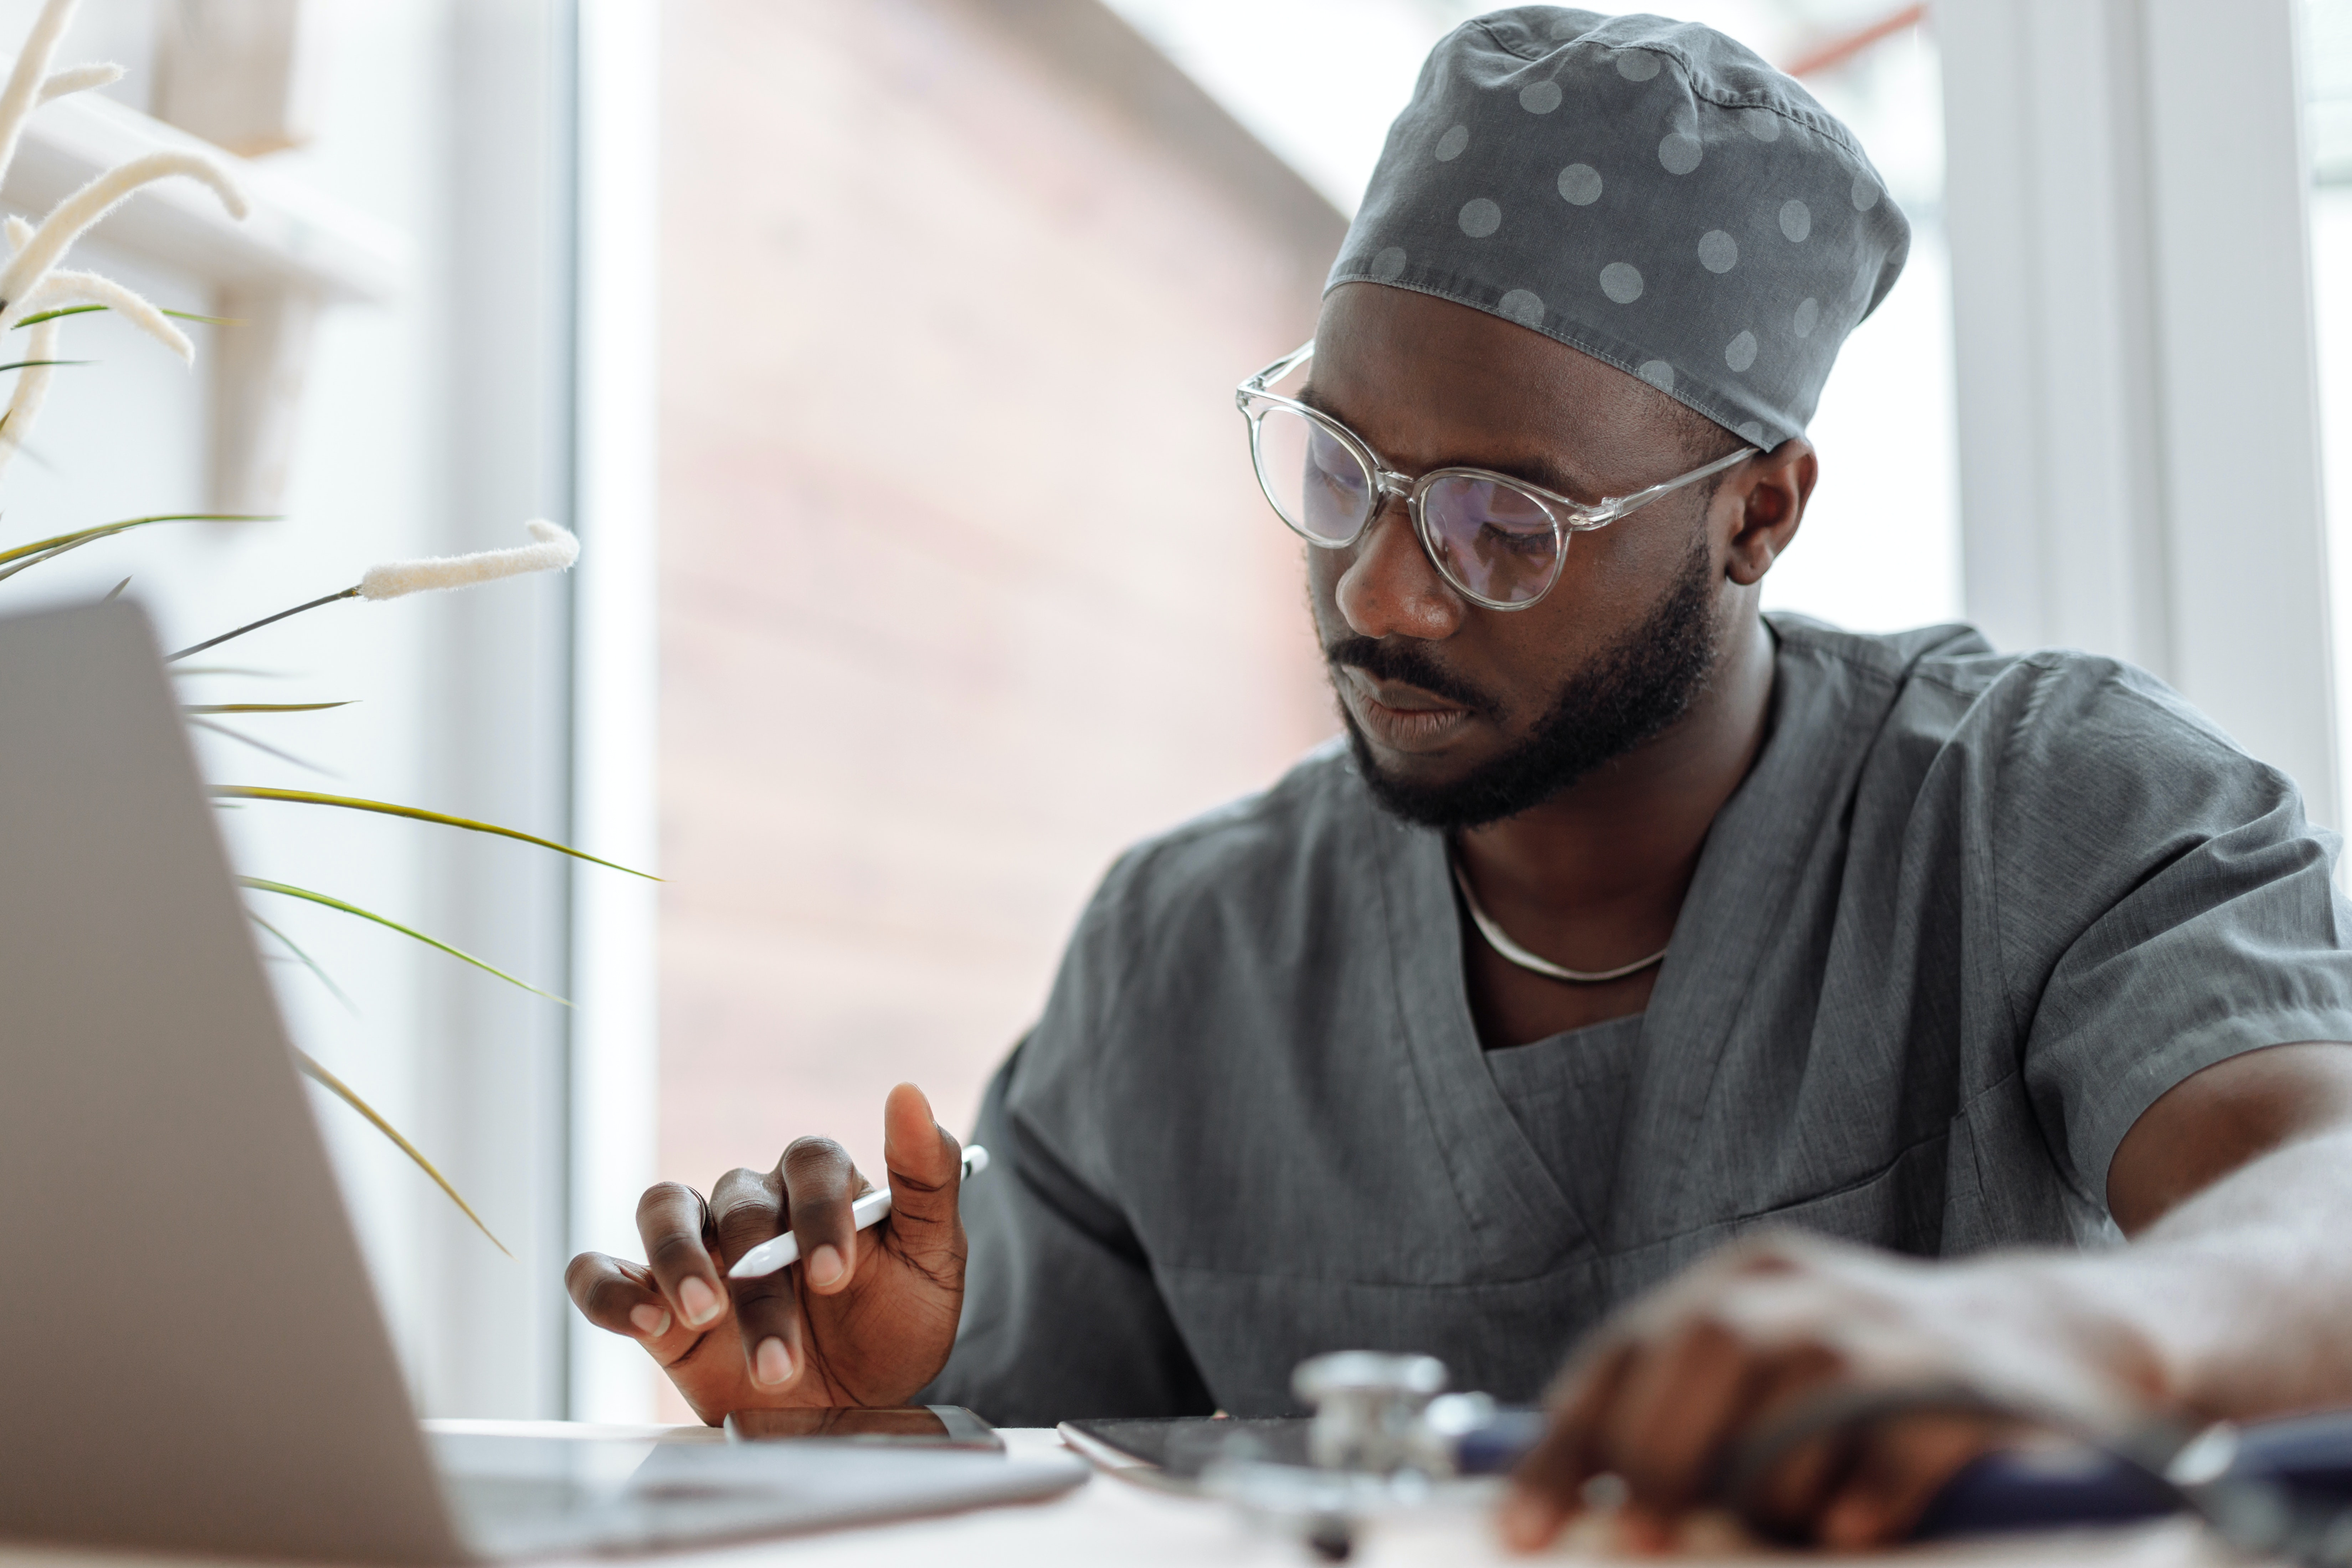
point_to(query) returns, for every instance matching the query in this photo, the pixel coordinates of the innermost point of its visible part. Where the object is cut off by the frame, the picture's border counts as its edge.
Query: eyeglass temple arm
(1273, 373)
(1610, 511)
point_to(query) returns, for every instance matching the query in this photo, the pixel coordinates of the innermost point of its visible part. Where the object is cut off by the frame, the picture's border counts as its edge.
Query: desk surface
(1110, 1521)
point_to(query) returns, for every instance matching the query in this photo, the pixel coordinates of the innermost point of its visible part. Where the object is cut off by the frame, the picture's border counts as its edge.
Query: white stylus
(784, 1251)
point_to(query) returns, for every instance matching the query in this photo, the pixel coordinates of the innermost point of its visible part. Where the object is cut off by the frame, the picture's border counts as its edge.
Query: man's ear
(1763, 501)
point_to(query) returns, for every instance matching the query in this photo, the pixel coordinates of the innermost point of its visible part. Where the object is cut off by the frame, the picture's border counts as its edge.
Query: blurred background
(882, 357)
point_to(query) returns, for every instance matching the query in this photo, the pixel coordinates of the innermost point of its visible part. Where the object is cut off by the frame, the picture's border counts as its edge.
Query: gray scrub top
(1967, 916)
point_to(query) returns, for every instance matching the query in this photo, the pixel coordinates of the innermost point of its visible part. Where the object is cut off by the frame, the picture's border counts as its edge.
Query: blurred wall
(965, 584)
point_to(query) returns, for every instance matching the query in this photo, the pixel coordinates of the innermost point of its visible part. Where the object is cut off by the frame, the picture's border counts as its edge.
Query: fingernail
(651, 1321)
(700, 1301)
(771, 1363)
(825, 1265)
(1527, 1521)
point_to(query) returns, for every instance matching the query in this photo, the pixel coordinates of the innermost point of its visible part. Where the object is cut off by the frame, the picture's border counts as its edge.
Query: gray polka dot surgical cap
(1646, 191)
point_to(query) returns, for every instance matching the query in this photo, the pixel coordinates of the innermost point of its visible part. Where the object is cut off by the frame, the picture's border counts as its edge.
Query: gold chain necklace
(1512, 951)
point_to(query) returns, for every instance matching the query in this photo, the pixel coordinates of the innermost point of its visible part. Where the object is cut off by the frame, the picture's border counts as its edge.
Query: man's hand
(1675, 1392)
(863, 1318)
(2227, 1305)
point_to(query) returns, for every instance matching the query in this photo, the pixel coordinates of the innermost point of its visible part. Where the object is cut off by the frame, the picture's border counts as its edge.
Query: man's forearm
(2228, 1303)
(2240, 1297)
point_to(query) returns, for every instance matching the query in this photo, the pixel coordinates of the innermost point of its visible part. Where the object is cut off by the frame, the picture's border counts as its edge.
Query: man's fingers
(1665, 1428)
(924, 1173)
(768, 1310)
(1905, 1464)
(1545, 1486)
(618, 1297)
(747, 1207)
(675, 1226)
(1787, 1504)
(818, 1183)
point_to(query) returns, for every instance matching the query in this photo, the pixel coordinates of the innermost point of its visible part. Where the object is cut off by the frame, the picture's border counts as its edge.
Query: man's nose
(1390, 585)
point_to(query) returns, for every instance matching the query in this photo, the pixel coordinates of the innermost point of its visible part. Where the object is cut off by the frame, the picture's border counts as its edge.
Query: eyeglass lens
(1320, 487)
(1489, 539)
(1493, 539)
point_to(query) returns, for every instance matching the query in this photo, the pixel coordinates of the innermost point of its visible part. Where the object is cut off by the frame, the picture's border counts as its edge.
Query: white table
(1112, 1521)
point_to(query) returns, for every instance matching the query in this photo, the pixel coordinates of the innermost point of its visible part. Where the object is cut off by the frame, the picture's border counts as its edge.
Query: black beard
(1632, 692)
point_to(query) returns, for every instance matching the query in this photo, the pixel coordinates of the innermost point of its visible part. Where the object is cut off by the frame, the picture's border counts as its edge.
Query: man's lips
(1397, 694)
(1402, 717)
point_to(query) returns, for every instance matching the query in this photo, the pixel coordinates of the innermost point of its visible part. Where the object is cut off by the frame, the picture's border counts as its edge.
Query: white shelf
(295, 239)
(295, 253)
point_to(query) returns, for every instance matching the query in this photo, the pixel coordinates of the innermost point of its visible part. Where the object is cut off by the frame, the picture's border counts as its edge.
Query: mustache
(1400, 660)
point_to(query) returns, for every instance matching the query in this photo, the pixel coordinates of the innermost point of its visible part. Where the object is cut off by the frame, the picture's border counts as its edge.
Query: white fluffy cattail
(29, 283)
(57, 290)
(63, 288)
(555, 552)
(32, 386)
(30, 76)
(67, 221)
(80, 78)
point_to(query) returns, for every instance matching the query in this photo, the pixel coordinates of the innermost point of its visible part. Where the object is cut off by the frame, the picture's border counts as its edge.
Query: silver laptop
(194, 1358)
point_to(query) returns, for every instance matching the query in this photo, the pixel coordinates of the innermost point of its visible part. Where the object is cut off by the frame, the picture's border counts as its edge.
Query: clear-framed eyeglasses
(1498, 541)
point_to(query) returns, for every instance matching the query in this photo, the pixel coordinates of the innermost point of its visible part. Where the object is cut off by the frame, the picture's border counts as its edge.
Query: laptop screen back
(195, 1358)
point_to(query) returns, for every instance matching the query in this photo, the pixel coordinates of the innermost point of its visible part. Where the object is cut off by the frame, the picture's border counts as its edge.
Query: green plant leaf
(309, 797)
(7, 572)
(35, 363)
(88, 310)
(260, 885)
(319, 1075)
(308, 962)
(46, 547)
(57, 314)
(260, 707)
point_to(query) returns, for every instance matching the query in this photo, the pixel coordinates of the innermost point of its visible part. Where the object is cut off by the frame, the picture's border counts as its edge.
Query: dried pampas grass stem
(554, 551)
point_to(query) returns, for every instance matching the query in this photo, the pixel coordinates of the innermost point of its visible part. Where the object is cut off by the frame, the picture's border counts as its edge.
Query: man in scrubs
(1728, 1008)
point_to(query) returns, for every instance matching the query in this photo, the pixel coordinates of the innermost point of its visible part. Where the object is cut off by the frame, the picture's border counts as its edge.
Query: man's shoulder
(1320, 795)
(1951, 658)
(1948, 683)
(1302, 831)
(1890, 656)
(2045, 756)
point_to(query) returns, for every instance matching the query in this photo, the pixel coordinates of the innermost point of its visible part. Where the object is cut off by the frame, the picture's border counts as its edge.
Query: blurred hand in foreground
(1745, 1382)
(1703, 1393)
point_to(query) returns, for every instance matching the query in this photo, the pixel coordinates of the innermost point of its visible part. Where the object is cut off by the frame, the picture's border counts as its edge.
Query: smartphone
(908, 1427)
